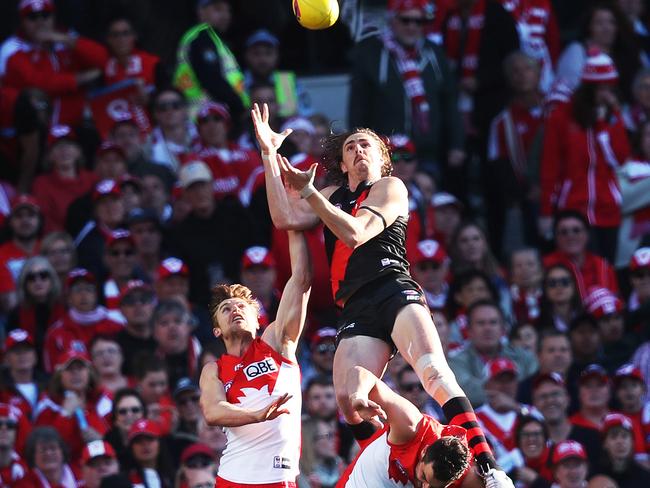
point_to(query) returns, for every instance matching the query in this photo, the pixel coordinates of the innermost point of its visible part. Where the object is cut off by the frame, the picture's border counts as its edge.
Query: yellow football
(316, 14)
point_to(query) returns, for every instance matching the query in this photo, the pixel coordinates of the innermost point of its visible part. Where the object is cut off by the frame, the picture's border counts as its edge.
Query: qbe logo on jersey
(265, 366)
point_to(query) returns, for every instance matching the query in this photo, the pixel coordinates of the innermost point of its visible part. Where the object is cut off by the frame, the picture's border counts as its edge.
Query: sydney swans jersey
(381, 464)
(266, 452)
(383, 254)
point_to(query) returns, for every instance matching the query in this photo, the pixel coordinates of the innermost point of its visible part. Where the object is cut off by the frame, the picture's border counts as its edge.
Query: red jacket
(54, 71)
(595, 271)
(49, 411)
(35, 479)
(16, 470)
(578, 167)
(68, 334)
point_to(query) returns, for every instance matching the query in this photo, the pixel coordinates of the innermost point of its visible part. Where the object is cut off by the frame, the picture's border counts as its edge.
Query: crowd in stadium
(131, 182)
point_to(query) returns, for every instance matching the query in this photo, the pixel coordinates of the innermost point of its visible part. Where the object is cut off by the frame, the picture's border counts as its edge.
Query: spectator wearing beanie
(60, 63)
(84, 319)
(629, 393)
(588, 135)
(430, 267)
(66, 180)
(571, 230)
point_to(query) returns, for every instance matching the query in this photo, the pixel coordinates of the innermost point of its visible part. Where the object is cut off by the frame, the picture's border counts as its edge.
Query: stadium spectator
(131, 192)
(639, 302)
(526, 279)
(47, 456)
(125, 133)
(107, 358)
(560, 302)
(604, 28)
(321, 360)
(186, 397)
(401, 83)
(198, 457)
(128, 408)
(585, 342)
(486, 328)
(258, 274)
(156, 190)
(206, 67)
(71, 404)
(12, 466)
(120, 261)
(594, 392)
(60, 63)
(618, 449)
(430, 268)
(172, 137)
(570, 464)
(40, 300)
(151, 462)
(320, 464)
(153, 386)
(514, 149)
(637, 111)
(83, 320)
(531, 439)
(448, 215)
(146, 232)
(550, 397)
(59, 250)
(571, 230)
(66, 180)
(98, 460)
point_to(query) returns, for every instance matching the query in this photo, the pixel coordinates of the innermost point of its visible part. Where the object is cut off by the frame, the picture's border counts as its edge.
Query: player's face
(362, 158)
(235, 316)
(424, 477)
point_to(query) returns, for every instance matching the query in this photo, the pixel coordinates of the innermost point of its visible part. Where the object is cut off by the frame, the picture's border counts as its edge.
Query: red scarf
(408, 65)
(541, 465)
(465, 61)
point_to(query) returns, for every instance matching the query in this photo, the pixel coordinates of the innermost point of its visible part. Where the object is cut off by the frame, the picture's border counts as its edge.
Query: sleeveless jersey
(381, 464)
(266, 452)
(382, 255)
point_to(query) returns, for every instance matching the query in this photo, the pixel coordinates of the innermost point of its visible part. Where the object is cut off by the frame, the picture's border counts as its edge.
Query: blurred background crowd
(130, 183)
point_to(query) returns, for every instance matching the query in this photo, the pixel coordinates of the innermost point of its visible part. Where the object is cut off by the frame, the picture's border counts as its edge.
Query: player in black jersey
(382, 307)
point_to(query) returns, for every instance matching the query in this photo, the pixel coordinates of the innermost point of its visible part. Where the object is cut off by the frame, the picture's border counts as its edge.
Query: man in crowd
(430, 266)
(14, 425)
(595, 392)
(153, 384)
(570, 464)
(322, 347)
(98, 460)
(629, 391)
(258, 274)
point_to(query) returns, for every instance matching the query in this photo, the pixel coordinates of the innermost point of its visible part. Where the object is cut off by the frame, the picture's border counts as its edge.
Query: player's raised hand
(295, 178)
(273, 409)
(369, 410)
(268, 139)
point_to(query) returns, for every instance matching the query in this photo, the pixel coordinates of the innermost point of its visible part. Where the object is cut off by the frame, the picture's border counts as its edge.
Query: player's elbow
(212, 415)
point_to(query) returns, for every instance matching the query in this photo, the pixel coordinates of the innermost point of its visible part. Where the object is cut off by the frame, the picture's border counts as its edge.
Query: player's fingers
(265, 113)
(286, 132)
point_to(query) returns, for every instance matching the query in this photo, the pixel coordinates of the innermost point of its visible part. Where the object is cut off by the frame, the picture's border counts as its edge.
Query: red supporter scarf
(408, 65)
(465, 61)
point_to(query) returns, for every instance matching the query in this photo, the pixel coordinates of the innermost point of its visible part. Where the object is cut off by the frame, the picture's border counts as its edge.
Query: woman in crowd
(128, 408)
(107, 359)
(560, 299)
(40, 301)
(531, 438)
(638, 110)
(152, 466)
(47, 456)
(59, 250)
(320, 465)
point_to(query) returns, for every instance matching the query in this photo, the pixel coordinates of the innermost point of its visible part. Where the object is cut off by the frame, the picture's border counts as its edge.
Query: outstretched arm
(284, 332)
(287, 212)
(219, 412)
(372, 398)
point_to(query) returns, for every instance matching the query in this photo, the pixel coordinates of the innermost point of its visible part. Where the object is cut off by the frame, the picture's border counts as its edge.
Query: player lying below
(412, 449)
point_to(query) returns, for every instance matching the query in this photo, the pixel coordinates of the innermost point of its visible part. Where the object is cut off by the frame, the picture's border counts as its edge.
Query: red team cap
(628, 371)
(601, 302)
(212, 108)
(133, 285)
(118, 236)
(25, 200)
(593, 371)
(109, 146)
(640, 259)
(257, 256)
(26, 7)
(496, 367)
(429, 250)
(404, 5)
(144, 427)
(442, 199)
(599, 68)
(60, 133)
(612, 420)
(172, 267)
(197, 449)
(555, 378)
(97, 449)
(106, 188)
(79, 274)
(323, 334)
(400, 143)
(17, 337)
(568, 450)
(71, 355)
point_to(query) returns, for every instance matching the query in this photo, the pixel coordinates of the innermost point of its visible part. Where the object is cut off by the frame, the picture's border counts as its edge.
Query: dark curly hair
(333, 153)
(449, 457)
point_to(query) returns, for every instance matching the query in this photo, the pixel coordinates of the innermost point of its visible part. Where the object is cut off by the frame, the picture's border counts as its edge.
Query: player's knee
(437, 377)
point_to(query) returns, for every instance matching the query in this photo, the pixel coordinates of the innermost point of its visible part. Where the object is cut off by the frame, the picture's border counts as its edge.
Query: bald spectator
(486, 340)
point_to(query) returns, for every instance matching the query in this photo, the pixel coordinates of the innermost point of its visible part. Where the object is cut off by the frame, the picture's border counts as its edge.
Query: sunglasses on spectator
(324, 348)
(37, 275)
(412, 20)
(425, 265)
(327, 435)
(138, 298)
(188, 399)
(197, 462)
(401, 157)
(555, 282)
(411, 387)
(641, 273)
(9, 424)
(125, 410)
(124, 252)
(34, 16)
(567, 231)
(174, 105)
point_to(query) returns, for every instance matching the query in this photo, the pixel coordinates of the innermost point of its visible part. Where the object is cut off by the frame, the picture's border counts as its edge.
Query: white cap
(194, 172)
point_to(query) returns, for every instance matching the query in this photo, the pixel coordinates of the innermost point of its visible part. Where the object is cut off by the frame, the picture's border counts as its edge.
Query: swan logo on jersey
(265, 366)
(280, 462)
